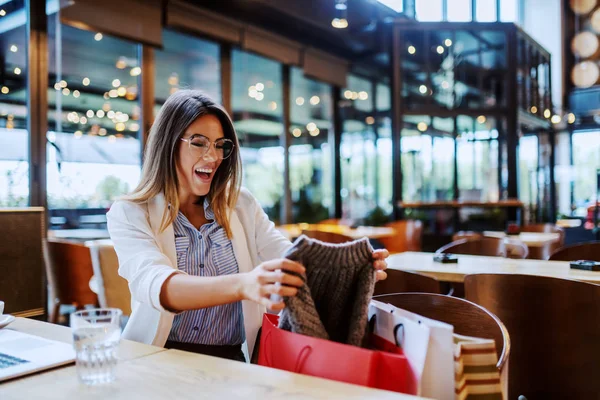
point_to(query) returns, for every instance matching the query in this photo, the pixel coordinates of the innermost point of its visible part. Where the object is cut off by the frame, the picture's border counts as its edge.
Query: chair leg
(54, 313)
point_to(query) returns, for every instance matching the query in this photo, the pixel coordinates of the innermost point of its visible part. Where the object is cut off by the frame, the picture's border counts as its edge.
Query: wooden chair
(554, 326)
(584, 251)
(404, 282)
(68, 270)
(467, 318)
(516, 249)
(466, 235)
(407, 237)
(329, 237)
(111, 288)
(485, 246)
(544, 252)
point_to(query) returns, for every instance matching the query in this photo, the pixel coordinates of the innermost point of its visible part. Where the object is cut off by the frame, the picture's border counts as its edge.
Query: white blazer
(147, 258)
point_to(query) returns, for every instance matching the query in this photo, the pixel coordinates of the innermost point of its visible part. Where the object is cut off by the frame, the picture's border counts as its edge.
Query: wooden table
(531, 239)
(128, 350)
(174, 374)
(423, 263)
(372, 232)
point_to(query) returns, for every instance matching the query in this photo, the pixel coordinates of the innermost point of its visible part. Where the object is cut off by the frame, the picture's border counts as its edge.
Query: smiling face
(193, 173)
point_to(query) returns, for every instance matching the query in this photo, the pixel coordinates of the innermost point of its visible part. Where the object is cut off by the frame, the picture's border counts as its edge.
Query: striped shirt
(206, 252)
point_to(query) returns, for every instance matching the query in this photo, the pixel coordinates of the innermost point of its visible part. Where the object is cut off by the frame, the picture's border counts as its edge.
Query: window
(586, 162)
(383, 126)
(187, 63)
(396, 5)
(485, 11)
(509, 10)
(459, 10)
(477, 157)
(429, 10)
(311, 169)
(528, 172)
(258, 117)
(14, 138)
(93, 150)
(358, 151)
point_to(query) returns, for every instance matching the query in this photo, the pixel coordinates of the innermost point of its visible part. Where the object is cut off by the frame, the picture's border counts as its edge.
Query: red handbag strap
(302, 357)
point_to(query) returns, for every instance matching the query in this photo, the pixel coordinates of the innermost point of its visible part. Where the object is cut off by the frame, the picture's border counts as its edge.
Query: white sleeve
(141, 262)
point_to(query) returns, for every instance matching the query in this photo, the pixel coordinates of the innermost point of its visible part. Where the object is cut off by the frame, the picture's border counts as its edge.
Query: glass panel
(509, 10)
(93, 151)
(427, 158)
(528, 173)
(358, 151)
(477, 155)
(258, 117)
(563, 173)
(459, 10)
(311, 170)
(485, 10)
(429, 10)
(14, 138)
(189, 63)
(383, 124)
(586, 147)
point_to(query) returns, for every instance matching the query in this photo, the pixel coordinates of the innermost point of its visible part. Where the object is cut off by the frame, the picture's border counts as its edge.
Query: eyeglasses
(199, 146)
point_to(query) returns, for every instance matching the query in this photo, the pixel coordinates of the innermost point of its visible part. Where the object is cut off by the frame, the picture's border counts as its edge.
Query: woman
(201, 257)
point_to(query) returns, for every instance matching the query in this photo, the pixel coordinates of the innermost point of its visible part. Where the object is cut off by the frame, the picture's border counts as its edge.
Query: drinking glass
(96, 337)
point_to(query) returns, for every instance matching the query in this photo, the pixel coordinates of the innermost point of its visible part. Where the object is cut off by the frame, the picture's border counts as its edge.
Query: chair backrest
(516, 249)
(467, 318)
(404, 282)
(554, 326)
(113, 290)
(466, 235)
(329, 237)
(485, 246)
(69, 270)
(584, 251)
(22, 283)
(407, 237)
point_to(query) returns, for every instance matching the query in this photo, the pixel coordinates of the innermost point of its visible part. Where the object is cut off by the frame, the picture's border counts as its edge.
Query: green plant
(376, 217)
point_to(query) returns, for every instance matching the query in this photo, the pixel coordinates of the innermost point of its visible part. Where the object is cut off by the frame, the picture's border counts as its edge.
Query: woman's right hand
(259, 284)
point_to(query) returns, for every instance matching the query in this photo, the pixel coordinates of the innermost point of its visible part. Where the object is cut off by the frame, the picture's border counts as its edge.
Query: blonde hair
(159, 172)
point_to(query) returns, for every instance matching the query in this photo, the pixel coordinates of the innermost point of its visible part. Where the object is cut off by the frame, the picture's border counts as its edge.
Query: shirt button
(196, 328)
(201, 265)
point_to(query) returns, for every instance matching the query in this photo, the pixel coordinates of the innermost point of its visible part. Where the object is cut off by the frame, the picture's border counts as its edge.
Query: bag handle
(302, 357)
(268, 349)
(399, 327)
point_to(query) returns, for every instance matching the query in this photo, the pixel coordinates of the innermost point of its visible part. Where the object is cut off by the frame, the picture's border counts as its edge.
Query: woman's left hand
(380, 264)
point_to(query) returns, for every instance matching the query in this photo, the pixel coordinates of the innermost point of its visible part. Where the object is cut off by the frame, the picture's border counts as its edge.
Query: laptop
(22, 354)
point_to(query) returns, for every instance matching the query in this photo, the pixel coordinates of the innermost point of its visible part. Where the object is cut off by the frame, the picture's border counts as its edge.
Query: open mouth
(205, 174)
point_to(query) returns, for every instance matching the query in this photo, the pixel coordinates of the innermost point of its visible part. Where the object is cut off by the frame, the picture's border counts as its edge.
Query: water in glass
(96, 336)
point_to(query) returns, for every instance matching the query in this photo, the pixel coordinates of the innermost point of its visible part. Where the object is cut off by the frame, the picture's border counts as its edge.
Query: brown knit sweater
(333, 303)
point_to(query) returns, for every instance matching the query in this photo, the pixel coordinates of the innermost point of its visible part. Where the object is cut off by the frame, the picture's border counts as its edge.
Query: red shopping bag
(388, 369)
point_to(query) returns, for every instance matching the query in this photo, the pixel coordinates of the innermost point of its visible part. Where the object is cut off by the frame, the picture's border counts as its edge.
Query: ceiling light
(339, 23)
(481, 119)
(315, 100)
(423, 89)
(370, 120)
(299, 101)
(116, 83)
(571, 118)
(440, 49)
(547, 113)
(98, 37)
(17, 71)
(348, 94)
(296, 132)
(314, 132)
(14, 48)
(2, 13)
(534, 110)
(311, 126)
(556, 119)
(412, 50)
(135, 71)
(260, 96)
(260, 87)
(448, 42)
(422, 126)
(86, 81)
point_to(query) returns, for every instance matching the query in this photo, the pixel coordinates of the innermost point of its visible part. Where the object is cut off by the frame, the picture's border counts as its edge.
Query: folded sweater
(334, 300)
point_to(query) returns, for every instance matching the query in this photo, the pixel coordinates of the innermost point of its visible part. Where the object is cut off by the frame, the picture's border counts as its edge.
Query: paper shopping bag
(409, 336)
(437, 381)
(476, 373)
(294, 352)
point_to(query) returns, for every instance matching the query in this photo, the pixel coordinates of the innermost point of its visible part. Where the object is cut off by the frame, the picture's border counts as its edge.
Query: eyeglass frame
(188, 140)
